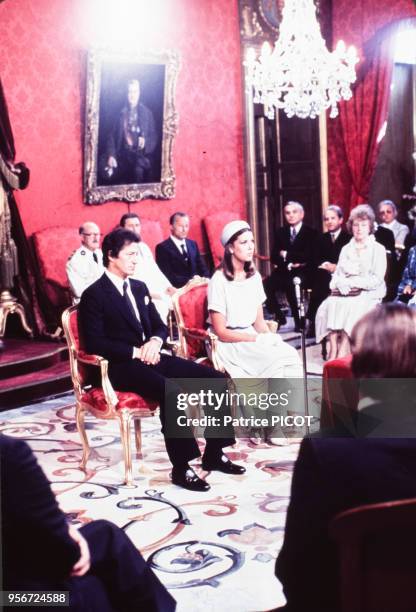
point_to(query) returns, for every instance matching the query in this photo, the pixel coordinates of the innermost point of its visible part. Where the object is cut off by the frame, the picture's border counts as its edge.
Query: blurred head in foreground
(383, 345)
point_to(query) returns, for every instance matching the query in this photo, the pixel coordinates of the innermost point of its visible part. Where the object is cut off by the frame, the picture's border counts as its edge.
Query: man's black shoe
(223, 464)
(187, 479)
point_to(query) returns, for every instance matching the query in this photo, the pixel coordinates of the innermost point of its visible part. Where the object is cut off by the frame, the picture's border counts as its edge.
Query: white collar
(389, 225)
(178, 242)
(297, 227)
(117, 281)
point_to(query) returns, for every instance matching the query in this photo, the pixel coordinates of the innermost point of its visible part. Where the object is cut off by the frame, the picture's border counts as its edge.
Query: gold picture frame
(130, 125)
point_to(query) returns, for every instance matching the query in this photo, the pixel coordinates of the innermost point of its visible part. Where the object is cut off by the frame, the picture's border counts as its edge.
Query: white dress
(362, 268)
(149, 273)
(269, 356)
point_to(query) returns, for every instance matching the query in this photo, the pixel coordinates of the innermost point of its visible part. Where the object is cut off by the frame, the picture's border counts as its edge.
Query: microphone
(296, 282)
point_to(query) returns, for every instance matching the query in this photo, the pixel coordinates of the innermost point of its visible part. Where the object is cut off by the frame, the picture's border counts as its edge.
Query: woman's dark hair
(115, 241)
(383, 343)
(226, 264)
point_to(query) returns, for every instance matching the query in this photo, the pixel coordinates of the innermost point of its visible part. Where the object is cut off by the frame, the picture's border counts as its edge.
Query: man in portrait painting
(132, 140)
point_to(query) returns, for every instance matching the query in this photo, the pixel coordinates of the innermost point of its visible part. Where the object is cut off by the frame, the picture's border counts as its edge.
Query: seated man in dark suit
(373, 461)
(385, 236)
(328, 248)
(178, 257)
(119, 321)
(99, 565)
(293, 255)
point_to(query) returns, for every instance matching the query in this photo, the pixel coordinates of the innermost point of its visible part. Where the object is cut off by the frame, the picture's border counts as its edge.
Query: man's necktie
(332, 237)
(95, 257)
(131, 308)
(292, 234)
(184, 252)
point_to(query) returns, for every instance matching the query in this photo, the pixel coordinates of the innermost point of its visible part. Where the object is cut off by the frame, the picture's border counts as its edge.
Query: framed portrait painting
(130, 125)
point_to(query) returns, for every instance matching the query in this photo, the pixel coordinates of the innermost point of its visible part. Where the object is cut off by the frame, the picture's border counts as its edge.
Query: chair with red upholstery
(95, 394)
(53, 246)
(214, 224)
(376, 545)
(339, 393)
(151, 232)
(190, 308)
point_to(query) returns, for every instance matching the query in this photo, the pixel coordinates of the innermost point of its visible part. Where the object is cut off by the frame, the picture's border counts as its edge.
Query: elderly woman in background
(246, 347)
(356, 286)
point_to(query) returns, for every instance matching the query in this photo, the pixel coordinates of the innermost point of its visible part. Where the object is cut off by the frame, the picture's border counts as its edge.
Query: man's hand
(408, 290)
(149, 353)
(171, 290)
(83, 564)
(112, 162)
(329, 267)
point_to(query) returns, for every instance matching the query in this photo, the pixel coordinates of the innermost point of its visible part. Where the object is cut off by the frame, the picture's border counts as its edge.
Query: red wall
(356, 23)
(43, 57)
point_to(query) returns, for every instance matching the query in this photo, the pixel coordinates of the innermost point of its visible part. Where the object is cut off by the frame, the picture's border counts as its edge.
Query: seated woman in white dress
(357, 284)
(235, 297)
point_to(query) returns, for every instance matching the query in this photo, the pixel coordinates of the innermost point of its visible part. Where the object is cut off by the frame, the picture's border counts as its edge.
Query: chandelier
(300, 75)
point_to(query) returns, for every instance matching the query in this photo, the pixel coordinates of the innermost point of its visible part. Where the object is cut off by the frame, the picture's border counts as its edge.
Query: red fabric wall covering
(356, 23)
(43, 59)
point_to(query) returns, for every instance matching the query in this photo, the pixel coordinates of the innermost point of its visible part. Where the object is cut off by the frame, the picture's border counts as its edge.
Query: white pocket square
(146, 299)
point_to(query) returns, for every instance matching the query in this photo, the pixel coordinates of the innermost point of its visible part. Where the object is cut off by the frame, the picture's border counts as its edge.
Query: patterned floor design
(215, 550)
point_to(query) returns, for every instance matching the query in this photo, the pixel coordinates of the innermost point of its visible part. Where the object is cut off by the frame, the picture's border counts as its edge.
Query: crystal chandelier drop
(300, 75)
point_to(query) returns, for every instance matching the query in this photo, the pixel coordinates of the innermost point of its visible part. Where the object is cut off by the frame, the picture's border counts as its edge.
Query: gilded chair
(377, 564)
(191, 312)
(94, 394)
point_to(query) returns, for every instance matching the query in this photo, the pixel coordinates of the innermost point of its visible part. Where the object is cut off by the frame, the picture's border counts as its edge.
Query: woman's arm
(260, 324)
(224, 334)
(376, 274)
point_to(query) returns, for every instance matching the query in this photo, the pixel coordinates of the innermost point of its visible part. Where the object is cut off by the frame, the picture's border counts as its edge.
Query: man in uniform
(86, 263)
(131, 143)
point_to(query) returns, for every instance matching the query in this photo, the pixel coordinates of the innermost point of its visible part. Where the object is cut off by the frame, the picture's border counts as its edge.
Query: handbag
(351, 293)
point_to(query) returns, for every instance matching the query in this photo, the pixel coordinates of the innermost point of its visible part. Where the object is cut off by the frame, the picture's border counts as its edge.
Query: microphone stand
(302, 324)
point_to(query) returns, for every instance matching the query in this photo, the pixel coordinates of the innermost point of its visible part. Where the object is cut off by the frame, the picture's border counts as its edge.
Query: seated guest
(148, 271)
(178, 257)
(407, 287)
(245, 346)
(387, 212)
(119, 321)
(334, 474)
(356, 286)
(98, 565)
(292, 255)
(385, 236)
(328, 249)
(85, 264)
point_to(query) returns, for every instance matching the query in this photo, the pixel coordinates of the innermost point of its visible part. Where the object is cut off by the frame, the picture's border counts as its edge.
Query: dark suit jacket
(386, 237)
(332, 475)
(327, 250)
(35, 540)
(302, 250)
(174, 266)
(109, 328)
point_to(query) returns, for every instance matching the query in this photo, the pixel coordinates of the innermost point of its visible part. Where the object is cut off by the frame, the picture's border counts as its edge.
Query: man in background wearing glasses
(85, 265)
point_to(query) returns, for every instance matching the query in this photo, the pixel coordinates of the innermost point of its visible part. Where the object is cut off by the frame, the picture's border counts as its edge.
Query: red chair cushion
(126, 399)
(151, 233)
(214, 225)
(194, 309)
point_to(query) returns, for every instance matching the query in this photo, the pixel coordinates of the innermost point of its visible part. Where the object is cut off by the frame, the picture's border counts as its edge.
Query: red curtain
(352, 137)
(363, 116)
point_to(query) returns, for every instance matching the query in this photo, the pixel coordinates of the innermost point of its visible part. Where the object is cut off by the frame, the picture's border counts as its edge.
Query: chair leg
(86, 450)
(125, 429)
(138, 436)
